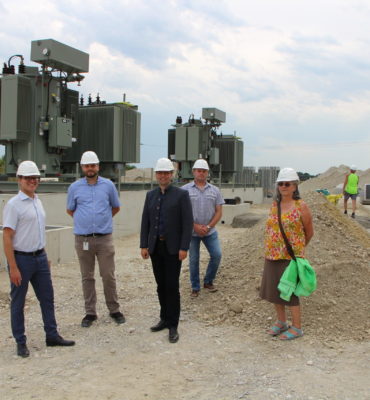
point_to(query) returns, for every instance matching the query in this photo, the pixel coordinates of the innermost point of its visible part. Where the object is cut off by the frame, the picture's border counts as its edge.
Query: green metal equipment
(38, 112)
(198, 138)
(41, 119)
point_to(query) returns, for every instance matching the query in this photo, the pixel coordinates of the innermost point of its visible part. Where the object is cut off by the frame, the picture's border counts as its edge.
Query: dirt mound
(339, 252)
(332, 177)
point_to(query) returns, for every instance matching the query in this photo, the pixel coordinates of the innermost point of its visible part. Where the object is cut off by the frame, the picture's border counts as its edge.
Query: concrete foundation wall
(254, 195)
(60, 242)
(59, 246)
(230, 211)
(128, 220)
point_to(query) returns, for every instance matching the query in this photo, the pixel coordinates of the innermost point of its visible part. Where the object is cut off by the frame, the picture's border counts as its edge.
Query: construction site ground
(223, 351)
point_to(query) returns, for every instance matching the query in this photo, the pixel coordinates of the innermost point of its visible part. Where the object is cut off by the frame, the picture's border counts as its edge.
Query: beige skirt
(270, 280)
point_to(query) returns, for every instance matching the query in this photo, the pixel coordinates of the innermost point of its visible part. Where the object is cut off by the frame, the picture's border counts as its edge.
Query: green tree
(304, 176)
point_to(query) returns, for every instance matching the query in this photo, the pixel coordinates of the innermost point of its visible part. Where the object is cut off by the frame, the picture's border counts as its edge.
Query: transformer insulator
(5, 69)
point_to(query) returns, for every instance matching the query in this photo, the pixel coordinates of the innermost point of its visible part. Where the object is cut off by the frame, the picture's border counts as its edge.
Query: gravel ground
(223, 352)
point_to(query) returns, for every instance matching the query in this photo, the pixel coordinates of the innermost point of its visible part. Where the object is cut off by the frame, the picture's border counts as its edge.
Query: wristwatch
(208, 227)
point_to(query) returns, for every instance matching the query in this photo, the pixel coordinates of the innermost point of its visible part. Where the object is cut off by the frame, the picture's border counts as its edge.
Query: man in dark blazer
(166, 229)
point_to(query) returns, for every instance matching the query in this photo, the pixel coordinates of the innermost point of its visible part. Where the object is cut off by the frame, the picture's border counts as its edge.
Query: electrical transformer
(198, 138)
(267, 179)
(44, 121)
(38, 113)
(112, 131)
(231, 158)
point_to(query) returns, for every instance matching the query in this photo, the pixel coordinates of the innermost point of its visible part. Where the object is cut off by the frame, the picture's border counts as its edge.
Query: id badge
(85, 246)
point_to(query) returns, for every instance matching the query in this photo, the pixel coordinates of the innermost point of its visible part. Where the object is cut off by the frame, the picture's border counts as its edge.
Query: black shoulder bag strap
(287, 244)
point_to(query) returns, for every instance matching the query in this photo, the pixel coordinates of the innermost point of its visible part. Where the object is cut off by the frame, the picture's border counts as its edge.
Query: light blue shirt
(204, 201)
(92, 206)
(26, 216)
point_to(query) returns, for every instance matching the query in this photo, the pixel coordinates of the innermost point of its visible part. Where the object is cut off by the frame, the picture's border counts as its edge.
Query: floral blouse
(275, 248)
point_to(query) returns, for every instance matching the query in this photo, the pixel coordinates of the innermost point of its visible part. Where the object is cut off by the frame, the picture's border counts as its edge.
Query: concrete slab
(229, 211)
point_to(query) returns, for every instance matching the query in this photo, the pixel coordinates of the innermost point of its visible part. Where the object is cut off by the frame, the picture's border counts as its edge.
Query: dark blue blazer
(178, 220)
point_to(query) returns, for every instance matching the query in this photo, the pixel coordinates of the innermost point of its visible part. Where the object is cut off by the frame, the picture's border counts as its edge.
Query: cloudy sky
(293, 76)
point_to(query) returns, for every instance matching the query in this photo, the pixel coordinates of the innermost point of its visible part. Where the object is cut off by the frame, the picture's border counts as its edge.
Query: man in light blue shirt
(206, 201)
(93, 202)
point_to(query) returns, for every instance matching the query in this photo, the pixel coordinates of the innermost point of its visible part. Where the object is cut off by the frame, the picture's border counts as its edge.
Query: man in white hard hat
(24, 246)
(350, 189)
(93, 201)
(207, 202)
(166, 227)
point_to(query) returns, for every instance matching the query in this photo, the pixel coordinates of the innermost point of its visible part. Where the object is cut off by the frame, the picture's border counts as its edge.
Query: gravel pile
(340, 254)
(333, 177)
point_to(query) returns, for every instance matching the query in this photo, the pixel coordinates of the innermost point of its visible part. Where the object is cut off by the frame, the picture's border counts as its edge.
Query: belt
(95, 234)
(161, 238)
(29, 253)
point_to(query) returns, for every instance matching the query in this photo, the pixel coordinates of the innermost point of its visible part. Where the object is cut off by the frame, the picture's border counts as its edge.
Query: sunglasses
(286, 184)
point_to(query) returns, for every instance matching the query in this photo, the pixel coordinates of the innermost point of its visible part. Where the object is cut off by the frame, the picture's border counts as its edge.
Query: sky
(293, 76)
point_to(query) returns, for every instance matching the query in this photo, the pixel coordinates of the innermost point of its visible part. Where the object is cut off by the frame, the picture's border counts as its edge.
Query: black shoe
(159, 327)
(353, 215)
(173, 336)
(345, 211)
(59, 341)
(87, 320)
(118, 317)
(22, 350)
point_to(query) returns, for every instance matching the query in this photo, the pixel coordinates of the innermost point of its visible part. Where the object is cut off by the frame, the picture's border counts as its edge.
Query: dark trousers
(166, 269)
(34, 269)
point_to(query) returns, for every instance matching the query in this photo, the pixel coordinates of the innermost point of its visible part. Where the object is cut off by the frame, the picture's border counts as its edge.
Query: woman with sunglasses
(297, 223)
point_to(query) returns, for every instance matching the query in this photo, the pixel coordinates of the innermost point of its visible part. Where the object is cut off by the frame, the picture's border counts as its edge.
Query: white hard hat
(201, 164)
(163, 164)
(287, 175)
(89, 157)
(353, 167)
(28, 168)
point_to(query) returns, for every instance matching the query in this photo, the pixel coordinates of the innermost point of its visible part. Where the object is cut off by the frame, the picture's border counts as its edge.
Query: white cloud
(287, 72)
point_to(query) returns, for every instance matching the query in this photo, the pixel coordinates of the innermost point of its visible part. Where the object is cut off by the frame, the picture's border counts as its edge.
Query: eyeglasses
(286, 184)
(31, 178)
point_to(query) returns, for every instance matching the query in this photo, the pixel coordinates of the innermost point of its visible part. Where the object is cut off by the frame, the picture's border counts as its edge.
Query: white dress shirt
(26, 216)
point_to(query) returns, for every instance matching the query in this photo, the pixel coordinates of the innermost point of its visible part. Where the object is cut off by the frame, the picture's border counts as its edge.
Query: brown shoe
(194, 293)
(210, 287)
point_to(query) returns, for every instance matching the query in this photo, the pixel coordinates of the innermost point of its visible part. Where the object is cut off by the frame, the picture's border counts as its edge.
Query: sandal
(290, 336)
(278, 328)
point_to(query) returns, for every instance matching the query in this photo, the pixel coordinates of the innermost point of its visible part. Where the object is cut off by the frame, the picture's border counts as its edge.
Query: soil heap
(340, 253)
(333, 177)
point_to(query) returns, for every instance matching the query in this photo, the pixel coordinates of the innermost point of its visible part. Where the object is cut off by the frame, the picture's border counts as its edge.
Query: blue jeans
(213, 246)
(34, 269)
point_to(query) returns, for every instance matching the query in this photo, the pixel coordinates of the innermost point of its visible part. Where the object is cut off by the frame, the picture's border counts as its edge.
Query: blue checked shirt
(204, 201)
